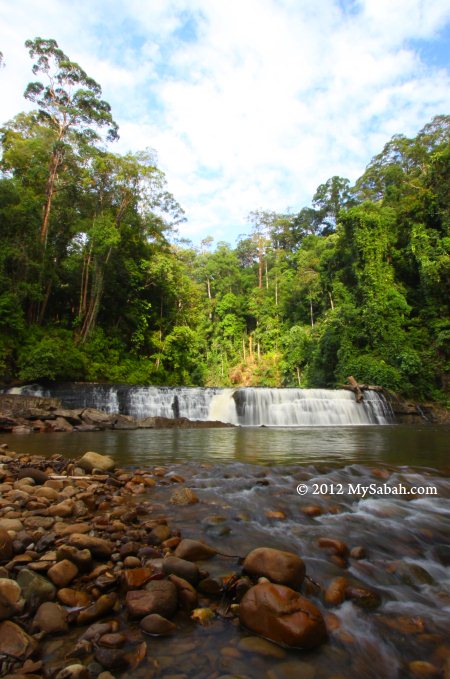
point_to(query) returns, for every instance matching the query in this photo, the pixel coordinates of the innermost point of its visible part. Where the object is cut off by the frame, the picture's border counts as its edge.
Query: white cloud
(249, 103)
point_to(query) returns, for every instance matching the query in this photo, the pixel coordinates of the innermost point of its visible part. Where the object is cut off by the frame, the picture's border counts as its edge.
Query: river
(385, 489)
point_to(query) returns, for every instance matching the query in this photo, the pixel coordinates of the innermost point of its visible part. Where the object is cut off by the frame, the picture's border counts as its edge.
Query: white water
(244, 406)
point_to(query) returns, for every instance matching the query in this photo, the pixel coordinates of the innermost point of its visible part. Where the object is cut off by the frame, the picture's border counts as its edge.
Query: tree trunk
(55, 162)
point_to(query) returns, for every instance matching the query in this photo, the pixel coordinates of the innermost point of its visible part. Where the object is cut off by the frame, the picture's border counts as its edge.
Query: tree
(69, 103)
(329, 199)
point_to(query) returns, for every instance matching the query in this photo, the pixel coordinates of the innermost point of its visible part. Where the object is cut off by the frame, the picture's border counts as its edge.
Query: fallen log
(358, 389)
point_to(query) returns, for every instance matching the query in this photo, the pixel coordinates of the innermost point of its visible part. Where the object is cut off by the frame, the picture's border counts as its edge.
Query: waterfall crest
(246, 406)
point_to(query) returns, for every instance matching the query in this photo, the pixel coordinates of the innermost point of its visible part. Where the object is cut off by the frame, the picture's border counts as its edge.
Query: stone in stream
(62, 573)
(183, 496)
(82, 558)
(280, 614)
(193, 550)
(50, 618)
(187, 594)
(11, 601)
(334, 546)
(35, 588)
(75, 671)
(92, 460)
(159, 596)
(15, 642)
(335, 592)
(364, 597)
(284, 568)
(99, 548)
(104, 604)
(173, 565)
(6, 545)
(157, 625)
(73, 598)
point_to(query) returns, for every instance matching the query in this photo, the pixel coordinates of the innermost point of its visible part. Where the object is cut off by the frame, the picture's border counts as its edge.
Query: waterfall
(249, 406)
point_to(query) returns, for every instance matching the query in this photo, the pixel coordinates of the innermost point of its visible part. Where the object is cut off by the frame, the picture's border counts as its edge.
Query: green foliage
(50, 355)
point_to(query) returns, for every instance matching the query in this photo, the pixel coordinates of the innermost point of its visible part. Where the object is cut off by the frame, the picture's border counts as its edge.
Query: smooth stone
(91, 460)
(76, 671)
(159, 596)
(193, 550)
(183, 496)
(261, 646)
(11, 601)
(50, 618)
(62, 573)
(63, 509)
(283, 568)
(104, 604)
(14, 641)
(364, 597)
(112, 640)
(136, 577)
(335, 546)
(37, 475)
(157, 625)
(6, 545)
(81, 558)
(187, 594)
(73, 598)
(35, 588)
(423, 669)
(11, 524)
(295, 669)
(280, 614)
(98, 547)
(335, 592)
(173, 565)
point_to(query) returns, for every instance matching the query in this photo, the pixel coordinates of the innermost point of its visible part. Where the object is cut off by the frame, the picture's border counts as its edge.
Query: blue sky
(249, 104)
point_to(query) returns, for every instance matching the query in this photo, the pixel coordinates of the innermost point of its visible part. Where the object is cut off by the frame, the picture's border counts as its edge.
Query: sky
(249, 104)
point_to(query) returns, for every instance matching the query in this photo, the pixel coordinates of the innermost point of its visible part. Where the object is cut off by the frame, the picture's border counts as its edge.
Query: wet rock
(157, 625)
(104, 604)
(81, 558)
(404, 624)
(50, 618)
(73, 598)
(173, 565)
(99, 548)
(63, 509)
(11, 601)
(15, 642)
(159, 534)
(92, 460)
(112, 659)
(47, 493)
(183, 496)
(187, 595)
(11, 524)
(280, 614)
(203, 616)
(159, 596)
(35, 588)
(335, 592)
(312, 510)
(284, 568)
(6, 545)
(411, 574)
(193, 550)
(97, 629)
(112, 640)
(261, 646)
(364, 597)
(75, 671)
(136, 577)
(423, 669)
(62, 573)
(334, 546)
(37, 475)
(358, 553)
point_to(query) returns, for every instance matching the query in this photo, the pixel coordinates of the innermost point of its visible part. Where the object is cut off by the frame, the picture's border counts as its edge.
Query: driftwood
(358, 389)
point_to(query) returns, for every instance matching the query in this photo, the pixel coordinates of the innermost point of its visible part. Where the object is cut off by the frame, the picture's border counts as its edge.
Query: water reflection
(425, 445)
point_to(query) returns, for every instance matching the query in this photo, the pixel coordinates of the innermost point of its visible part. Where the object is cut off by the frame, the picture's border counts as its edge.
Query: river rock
(173, 565)
(81, 558)
(364, 597)
(99, 548)
(37, 475)
(261, 646)
(63, 509)
(104, 604)
(183, 496)
(92, 460)
(50, 618)
(157, 625)
(35, 588)
(335, 592)
(193, 550)
(75, 671)
(11, 524)
(294, 669)
(284, 568)
(15, 642)
(73, 598)
(423, 670)
(187, 594)
(6, 545)
(159, 596)
(134, 578)
(280, 614)
(334, 546)
(62, 573)
(11, 601)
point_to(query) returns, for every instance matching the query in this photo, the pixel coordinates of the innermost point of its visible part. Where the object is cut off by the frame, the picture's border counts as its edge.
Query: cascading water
(244, 406)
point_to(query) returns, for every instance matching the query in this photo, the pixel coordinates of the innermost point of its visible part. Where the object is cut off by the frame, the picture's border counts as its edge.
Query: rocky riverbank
(27, 414)
(104, 573)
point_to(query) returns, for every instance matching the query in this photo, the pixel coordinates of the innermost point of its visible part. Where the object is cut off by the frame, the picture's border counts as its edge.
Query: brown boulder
(156, 625)
(104, 604)
(11, 601)
(284, 568)
(15, 642)
(92, 460)
(279, 613)
(62, 573)
(193, 550)
(99, 548)
(50, 618)
(159, 596)
(6, 545)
